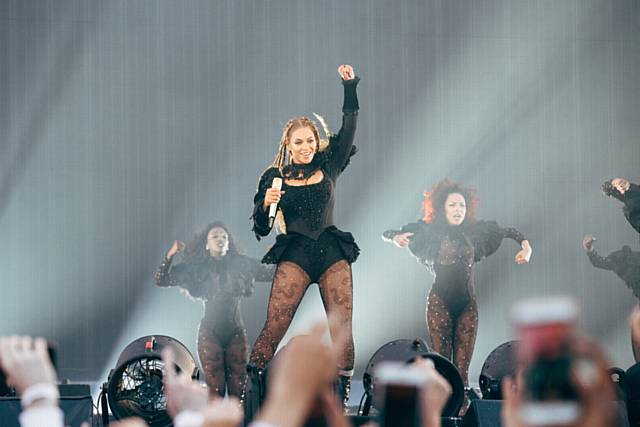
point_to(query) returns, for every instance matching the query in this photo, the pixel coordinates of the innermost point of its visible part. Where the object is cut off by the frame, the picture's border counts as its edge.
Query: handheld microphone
(273, 208)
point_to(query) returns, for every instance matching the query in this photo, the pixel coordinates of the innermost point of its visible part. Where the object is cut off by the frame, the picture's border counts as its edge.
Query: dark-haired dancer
(627, 193)
(626, 264)
(449, 241)
(214, 271)
(310, 249)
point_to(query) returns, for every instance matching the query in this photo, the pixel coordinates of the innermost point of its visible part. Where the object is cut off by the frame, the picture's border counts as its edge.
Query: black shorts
(314, 256)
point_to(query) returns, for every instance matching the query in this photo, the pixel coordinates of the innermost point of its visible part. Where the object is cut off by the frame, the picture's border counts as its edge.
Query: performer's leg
(236, 357)
(466, 329)
(211, 356)
(336, 290)
(440, 325)
(289, 285)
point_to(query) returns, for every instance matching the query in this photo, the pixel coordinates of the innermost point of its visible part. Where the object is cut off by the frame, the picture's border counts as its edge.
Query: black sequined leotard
(311, 240)
(312, 250)
(450, 253)
(222, 340)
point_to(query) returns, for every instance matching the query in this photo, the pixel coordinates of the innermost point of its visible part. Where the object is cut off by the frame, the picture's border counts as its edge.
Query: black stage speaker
(75, 402)
(486, 413)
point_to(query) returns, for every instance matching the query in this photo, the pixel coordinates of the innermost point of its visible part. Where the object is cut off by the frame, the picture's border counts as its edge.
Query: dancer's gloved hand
(184, 395)
(402, 240)
(587, 242)
(177, 246)
(524, 255)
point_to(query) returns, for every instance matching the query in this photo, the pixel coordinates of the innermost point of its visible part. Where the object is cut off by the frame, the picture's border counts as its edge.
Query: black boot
(343, 387)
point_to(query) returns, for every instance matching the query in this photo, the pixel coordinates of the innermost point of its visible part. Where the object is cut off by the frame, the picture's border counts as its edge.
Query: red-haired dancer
(449, 241)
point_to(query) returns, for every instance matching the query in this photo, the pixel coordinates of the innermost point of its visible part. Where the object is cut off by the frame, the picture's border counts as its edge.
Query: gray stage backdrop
(126, 124)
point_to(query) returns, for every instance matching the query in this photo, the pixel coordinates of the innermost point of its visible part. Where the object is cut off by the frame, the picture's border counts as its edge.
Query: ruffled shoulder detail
(486, 238)
(425, 242)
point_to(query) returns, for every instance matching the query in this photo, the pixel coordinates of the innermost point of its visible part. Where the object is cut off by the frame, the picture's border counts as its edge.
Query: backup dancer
(449, 241)
(215, 272)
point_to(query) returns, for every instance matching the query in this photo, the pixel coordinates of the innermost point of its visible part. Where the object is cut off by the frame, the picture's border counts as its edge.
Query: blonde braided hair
(282, 159)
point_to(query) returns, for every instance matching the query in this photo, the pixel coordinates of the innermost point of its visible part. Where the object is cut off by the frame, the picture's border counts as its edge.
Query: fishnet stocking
(453, 335)
(236, 356)
(211, 354)
(336, 290)
(289, 285)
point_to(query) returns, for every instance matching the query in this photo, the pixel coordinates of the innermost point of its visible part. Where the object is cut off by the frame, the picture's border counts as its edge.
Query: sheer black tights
(223, 365)
(453, 335)
(289, 285)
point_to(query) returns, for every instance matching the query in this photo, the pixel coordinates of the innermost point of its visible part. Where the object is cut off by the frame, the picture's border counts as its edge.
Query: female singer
(309, 248)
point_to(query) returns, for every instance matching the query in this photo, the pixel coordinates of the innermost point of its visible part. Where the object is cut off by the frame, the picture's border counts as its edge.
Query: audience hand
(302, 373)
(25, 361)
(223, 413)
(183, 394)
(590, 379)
(435, 393)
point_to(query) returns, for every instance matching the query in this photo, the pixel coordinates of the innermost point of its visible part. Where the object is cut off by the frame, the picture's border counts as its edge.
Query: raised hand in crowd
(301, 375)
(27, 366)
(590, 379)
(222, 413)
(185, 397)
(435, 393)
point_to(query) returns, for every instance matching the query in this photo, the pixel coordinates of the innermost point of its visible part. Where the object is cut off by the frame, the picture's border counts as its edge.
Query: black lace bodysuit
(450, 253)
(222, 338)
(312, 250)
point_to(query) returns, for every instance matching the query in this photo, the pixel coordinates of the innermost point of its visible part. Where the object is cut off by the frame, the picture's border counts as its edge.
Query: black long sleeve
(632, 206)
(260, 217)
(341, 145)
(598, 261)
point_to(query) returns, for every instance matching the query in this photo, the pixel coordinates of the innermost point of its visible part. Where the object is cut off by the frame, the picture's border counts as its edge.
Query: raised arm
(164, 277)
(595, 258)
(341, 145)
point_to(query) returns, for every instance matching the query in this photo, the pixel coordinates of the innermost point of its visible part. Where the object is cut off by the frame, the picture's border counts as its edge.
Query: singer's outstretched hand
(272, 195)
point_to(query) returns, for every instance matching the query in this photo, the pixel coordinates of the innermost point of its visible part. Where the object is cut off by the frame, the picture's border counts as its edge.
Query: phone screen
(401, 406)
